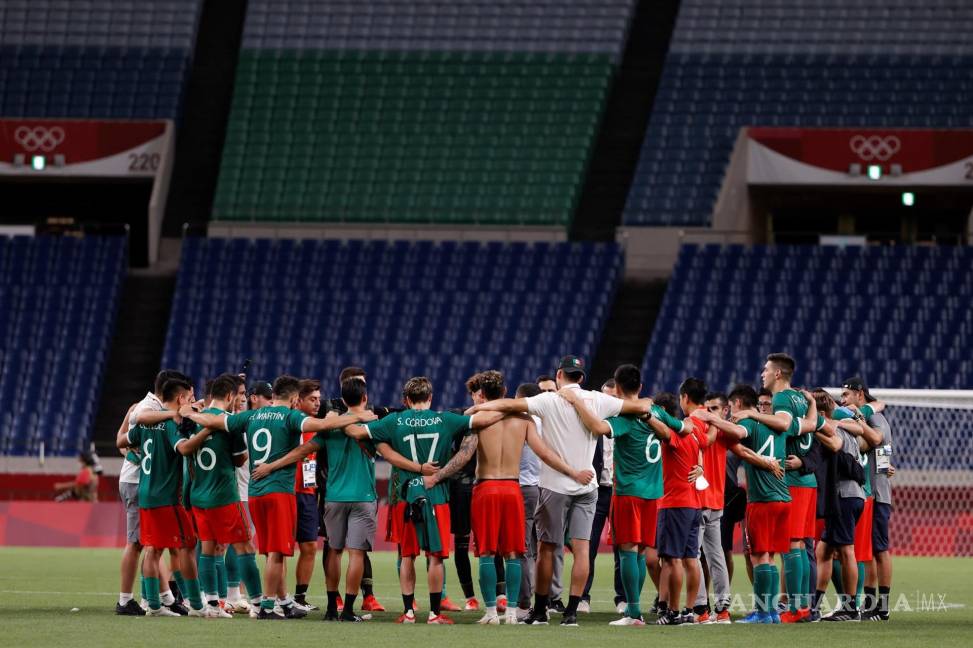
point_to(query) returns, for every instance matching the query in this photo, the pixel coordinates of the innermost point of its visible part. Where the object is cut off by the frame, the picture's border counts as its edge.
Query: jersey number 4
(768, 446)
(411, 440)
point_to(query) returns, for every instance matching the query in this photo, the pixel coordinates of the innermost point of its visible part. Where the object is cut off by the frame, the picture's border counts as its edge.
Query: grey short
(129, 494)
(351, 525)
(559, 516)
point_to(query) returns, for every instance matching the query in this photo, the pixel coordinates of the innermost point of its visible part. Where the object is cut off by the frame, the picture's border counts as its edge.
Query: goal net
(932, 487)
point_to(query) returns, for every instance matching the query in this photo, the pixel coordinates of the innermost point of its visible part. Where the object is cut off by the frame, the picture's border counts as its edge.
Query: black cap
(857, 384)
(261, 388)
(572, 365)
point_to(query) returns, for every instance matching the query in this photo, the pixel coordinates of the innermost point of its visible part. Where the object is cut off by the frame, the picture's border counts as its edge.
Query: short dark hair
(720, 396)
(765, 392)
(543, 378)
(168, 374)
(208, 388)
(784, 363)
(308, 386)
(526, 390)
(417, 389)
(223, 386)
(492, 384)
(746, 394)
(668, 402)
(628, 379)
(473, 383)
(351, 372)
(353, 391)
(173, 388)
(286, 386)
(694, 389)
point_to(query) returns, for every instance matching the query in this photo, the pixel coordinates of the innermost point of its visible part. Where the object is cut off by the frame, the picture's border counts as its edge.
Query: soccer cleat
(270, 615)
(129, 609)
(871, 615)
(438, 619)
(501, 604)
(341, 605)
(622, 607)
(161, 612)
(201, 612)
(371, 604)
(756, 617)
(490, 618)
(216, 612)
(569, 620)
(814, 617)
(447, 605)
(584, 607)
(556, 606)
(226, 607)
(790, 617)
(804, 615)
(536, 617)
(774, 617)
(627, 621)
(703, 619)
(510, 617)
(303, 607)
(350, 618)
(723, 618)
(472, 605)
(669, 618)
(330, 616)
(293, 612)
(407, 617)
(843, 615)
(240, 605)
(522, 613)
(143, 604)
(179, 609)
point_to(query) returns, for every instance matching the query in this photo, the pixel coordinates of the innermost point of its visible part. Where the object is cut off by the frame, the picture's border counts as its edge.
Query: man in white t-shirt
(565, 508)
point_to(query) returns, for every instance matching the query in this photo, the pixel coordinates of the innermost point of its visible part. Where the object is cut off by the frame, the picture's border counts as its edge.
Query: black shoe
(669, 618)
(330, 615)
(536, 617)
(556, 606)
(179, 609)
(291, 612)
(569, 620)
(843, 615)
(129, 609)
(350, 618)
(269, 615)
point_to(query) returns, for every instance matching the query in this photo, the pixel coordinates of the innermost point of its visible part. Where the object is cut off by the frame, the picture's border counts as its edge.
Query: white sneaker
(202, 613)
(522, 613)
(239, 605)
(302, 607)
(510, 618)
(215, 612)
(622, 607)
(254, 611)
(144, 604)
(585, 607)
(627, 621)
(161, 612)
(490, 618)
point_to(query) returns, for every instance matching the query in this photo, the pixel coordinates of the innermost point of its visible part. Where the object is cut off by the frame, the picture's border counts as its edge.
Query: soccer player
(565, 509)
(234, 599)
(426, 437)
(271, 432)
(498, 507)
(164, 523)
(460, 502)
(548, 384)
(306, 535)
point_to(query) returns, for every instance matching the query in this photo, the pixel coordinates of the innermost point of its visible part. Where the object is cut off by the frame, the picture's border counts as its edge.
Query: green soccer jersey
(425, 436)
(762, 485)
(670, 421)
(270, 433)
(351, 468)
(794, 403)
(160, 469)
(842, 413)
(214, 473)
(638, 458)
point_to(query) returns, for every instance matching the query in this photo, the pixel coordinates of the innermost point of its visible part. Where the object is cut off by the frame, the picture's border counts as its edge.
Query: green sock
(488, 581)
(250, 575)
(643, 572)
(860, 590)
(180, 582)
(628, 564)
(514, 574)
(150, 590)
(193, 593)
(267, 603)
(232, 568)
(761, 587)
(805, 580)
(207, 574)
(773, 595)
(793, 574)
(220, 577)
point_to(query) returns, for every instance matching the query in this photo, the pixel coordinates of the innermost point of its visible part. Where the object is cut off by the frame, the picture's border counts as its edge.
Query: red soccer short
(863, 532)
(767, 527)
(405, 532)
(166, 527)
(497, 518)
(634, 520)
(274, 519)
(223, 524)
(803, 512)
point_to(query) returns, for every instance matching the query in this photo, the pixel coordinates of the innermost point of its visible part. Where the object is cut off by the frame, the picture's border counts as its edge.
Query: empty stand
(59, 298)
(876, 63)
(898, 316)
(110, 59)
(417, 112)
(398, 309)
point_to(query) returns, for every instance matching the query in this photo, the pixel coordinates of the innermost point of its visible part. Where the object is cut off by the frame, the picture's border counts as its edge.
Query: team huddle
(522, 480)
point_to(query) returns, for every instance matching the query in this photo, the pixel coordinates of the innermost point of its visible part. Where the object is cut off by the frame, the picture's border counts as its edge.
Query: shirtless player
(498, 507)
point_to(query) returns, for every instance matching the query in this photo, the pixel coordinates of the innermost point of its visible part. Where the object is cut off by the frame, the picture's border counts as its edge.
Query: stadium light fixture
(37, 162)
(874, 172)
(908, 198)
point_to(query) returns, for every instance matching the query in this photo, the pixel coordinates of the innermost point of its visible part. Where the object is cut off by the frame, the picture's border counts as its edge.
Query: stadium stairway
(629, 328)
(136, 352)
(619, 141)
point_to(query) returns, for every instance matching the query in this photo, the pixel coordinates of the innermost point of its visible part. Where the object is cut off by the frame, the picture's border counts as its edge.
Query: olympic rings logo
(39, 138)
(875, 147)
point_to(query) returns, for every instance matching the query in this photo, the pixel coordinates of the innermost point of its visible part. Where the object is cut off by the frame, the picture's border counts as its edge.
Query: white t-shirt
(567, 435)
(530, 463)
(129, 474)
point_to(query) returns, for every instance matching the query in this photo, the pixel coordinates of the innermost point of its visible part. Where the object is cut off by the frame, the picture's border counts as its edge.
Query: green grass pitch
(39, 587)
